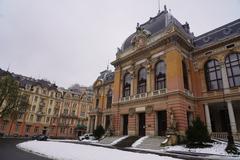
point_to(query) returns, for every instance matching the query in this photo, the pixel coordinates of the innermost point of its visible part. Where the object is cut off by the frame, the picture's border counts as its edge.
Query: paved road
(8, 151)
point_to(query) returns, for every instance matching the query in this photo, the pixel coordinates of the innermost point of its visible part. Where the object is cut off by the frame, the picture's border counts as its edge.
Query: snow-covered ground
(69, 151)
(63, 140)
(118, 140)
(217, 148)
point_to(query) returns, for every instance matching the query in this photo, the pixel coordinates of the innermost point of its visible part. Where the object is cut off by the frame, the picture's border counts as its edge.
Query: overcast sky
(71, 41)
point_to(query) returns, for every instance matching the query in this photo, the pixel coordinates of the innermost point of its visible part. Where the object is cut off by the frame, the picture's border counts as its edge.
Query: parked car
(87, 136)
(40, 137)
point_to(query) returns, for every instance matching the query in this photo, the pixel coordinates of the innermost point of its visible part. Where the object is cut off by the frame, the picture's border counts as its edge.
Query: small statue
(172, 120)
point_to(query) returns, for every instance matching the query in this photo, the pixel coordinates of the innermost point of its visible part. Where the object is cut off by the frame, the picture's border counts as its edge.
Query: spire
(159, 7)
(165, 8)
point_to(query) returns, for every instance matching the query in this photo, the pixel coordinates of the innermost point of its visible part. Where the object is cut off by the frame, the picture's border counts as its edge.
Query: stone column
(132, 83)
(208, 119)
(148, 78)
(231, 117)
(88, 124)
(96, 121)
(224, 78)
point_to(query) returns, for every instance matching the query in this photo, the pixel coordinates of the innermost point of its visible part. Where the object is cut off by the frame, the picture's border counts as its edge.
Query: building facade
(165, 77)
(53, 111)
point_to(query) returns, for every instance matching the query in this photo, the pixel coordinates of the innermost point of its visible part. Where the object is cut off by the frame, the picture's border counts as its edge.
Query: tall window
(160, 75)
(185, 76)
(213, 75)
(127, 85)
(142, 78)
(97, 102)
(109, 99)
(232, 63)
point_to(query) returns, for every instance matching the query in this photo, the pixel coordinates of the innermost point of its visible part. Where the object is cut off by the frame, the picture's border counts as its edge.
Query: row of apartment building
(54, 111)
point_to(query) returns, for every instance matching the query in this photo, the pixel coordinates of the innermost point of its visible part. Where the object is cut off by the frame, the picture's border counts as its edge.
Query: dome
(155, 25)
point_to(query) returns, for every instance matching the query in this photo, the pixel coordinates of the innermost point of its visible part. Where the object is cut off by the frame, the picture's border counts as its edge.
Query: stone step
(109, 140)
(127, 142)
(151, 143)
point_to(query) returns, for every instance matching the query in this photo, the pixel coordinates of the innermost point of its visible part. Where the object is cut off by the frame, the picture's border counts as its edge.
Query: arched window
(232, 63)
(127, 85)
(185, 76)
(109, 99)
(160, 75)
(142, 78)
(213, 75)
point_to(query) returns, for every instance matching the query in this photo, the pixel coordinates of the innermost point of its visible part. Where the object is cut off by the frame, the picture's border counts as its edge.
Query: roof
(229, 30)
(23, 81)
(156, 25)
(106, 76)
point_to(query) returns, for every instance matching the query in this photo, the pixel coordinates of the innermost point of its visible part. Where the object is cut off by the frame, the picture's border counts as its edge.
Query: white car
(87, 136)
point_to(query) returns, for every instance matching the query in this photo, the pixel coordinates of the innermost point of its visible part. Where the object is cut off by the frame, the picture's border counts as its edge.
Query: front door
(162, 122)
(142, 127)
(107, 123)
(125, 124)
(225, 123)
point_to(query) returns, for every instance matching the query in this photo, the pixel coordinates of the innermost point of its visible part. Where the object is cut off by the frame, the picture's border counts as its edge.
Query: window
(37, 90)
(73, 113)
(213, 75)
(185, 75)
(51, 102)
(49, 111)
(47, 120)
(127, 85)
(28, 127)
(17, 127)
(35, 98)
(36, 129)
(4, 124)
(160, 75)
(232, 63)
(65, 111)
(97, 102)
(142, 78)
(33, 108)
(109, 99)
(31, 118)
(39, 118)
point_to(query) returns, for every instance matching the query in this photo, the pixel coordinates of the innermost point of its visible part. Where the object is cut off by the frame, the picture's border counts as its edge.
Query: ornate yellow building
(165, 77)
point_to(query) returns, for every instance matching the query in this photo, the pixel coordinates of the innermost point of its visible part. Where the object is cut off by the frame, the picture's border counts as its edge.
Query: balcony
(188, 92)
(159, 92)
(40, 113)
(95, 111)
(68, 115)
(144, 95)
(42, 103)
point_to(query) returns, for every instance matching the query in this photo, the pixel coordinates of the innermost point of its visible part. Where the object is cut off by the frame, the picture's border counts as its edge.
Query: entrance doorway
(141, 122)
(107, 122)
(125, 124)
(162, 123)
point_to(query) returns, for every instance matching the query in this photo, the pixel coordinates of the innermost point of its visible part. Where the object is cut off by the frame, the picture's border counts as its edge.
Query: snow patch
(118, 140)
(139, 141)
(69, 151)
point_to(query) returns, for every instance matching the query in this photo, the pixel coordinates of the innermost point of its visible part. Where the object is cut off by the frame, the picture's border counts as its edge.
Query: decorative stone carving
(149, 109)
(131, 111)
(140, 39)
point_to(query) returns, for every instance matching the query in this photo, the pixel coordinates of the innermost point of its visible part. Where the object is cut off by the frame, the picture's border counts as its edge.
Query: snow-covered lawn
(218, 148)
(68, 151)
